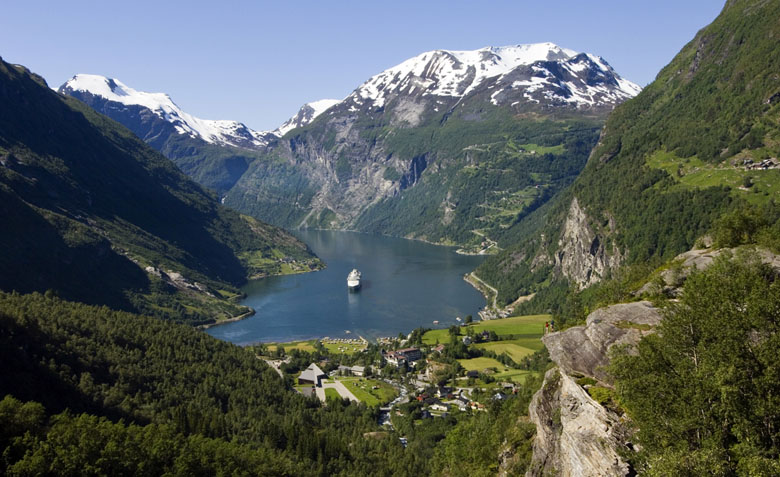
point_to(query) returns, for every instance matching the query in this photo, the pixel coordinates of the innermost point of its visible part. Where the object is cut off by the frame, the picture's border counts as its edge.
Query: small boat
(353, 279)
(435, 322)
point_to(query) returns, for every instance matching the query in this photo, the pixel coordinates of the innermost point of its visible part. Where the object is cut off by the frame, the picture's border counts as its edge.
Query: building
(403, 356)
(411, 354)
(312, 375)
(358, 370)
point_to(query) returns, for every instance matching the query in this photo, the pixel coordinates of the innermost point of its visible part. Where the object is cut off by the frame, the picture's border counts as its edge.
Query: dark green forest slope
(87, 208)
(671, 161)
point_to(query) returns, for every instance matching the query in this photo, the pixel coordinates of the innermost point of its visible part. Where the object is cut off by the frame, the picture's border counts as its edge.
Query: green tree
(703, 390)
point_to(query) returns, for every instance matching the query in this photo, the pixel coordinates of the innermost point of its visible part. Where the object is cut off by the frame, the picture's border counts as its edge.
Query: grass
(694, 173)
(331, 393)
(299, 345)
(520, 327)
(480, 364)
(363, 390)
(516, 349)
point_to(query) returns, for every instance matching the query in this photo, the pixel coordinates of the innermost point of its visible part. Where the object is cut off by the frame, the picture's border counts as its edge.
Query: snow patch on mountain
(306, 114)
(589, 79)
(226, 132)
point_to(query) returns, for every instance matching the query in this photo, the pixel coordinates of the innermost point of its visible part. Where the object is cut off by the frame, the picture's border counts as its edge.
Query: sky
(257, 62)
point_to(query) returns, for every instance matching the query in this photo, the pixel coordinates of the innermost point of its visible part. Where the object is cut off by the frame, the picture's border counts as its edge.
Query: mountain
(214, 153)
(441, 145)
(114, 93)
(306, 114)
(95, 215)
(699, 142)
(444, 144)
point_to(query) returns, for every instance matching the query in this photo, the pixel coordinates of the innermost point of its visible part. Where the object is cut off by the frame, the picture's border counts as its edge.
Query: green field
(299, 345)
(480, 364)
(694, 173)
(520, 327)
(516, 349)
(362, 389)
(331, 393)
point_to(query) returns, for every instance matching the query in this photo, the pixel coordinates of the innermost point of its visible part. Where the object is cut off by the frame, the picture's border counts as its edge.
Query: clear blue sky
(258, 62)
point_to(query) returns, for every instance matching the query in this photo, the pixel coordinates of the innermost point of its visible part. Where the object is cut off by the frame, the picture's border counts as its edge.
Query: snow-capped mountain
(221, 132)
(438, 129)
(538, 72)
(306, 114)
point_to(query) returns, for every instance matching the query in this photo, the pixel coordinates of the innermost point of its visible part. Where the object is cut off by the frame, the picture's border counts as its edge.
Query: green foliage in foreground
(702, 392)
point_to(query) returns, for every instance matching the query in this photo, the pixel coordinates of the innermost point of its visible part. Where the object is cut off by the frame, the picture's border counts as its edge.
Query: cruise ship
(353, 279)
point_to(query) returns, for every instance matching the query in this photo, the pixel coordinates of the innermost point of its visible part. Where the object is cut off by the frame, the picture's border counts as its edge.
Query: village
(427, 374)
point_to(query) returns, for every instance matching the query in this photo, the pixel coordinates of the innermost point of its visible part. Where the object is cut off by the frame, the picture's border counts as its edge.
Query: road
(495, 292)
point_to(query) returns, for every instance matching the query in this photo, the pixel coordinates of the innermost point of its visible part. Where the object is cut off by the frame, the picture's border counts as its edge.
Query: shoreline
(249, 313)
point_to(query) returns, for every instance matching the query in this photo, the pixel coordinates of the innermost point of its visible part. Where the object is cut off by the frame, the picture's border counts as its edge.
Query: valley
(562, 272)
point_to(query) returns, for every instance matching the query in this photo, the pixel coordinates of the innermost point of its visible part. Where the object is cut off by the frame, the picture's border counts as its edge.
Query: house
(444, 391)
(411, 354)
(439, 348)
(439, 406)
(403, 356)
(472, 374)
(345, 370)
(467, 340)
(499, 396)
(395, 358)
(462, 402)
(358, 370)
(312, 375)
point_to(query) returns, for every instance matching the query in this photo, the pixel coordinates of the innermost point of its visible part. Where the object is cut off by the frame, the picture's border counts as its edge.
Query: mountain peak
(305, 115)
(225, 132)
(578, 79)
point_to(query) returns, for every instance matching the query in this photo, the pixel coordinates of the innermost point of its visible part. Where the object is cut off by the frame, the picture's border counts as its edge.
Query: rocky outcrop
(669, 281)
(575, 436)
(585, 349)
(582, 254)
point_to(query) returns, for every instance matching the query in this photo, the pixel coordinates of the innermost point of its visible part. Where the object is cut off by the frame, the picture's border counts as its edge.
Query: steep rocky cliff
(583, 255)
(575, 434)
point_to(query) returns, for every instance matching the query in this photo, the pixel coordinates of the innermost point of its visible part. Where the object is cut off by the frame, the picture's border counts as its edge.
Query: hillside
(668, 164)
(96, 215)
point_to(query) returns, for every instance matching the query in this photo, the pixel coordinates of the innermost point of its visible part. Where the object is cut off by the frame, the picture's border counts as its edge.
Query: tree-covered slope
(93, 213)
(669, 162)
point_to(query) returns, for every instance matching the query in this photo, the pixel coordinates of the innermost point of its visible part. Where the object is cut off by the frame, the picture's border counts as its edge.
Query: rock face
(582, 256)
(575, 436)
(585, 349)
(671, 279)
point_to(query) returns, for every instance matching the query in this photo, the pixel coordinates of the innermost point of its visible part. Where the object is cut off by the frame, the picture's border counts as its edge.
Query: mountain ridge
(115, 222)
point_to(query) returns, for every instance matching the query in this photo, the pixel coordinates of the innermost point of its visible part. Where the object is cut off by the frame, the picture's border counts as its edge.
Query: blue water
(405, 284)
